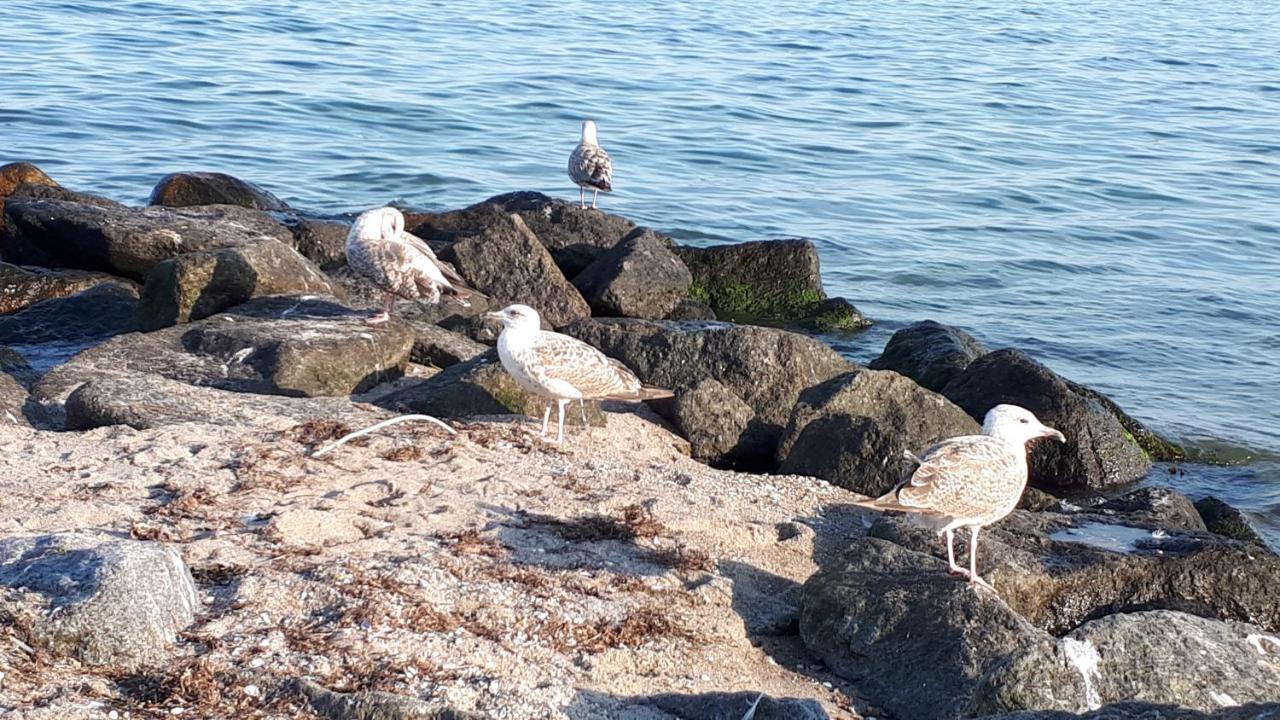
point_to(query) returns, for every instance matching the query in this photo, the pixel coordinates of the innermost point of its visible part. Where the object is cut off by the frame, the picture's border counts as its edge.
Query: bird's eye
(1024, 421)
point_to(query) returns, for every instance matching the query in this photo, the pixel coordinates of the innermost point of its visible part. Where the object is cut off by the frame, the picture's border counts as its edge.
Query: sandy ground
(487, 571)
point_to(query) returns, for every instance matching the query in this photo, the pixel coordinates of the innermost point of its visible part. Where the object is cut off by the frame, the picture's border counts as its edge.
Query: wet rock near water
(196, 285)
(127, 241)
(184, 189)
(765, 367)
(575, 236)
(103, 601)
(1098, 453)
(23, 286)
(74, 321)
(853, 430)
(930, 353)
(689, 309)
(833, 315)
(15, 174)
(1222, 519)
(640, 278)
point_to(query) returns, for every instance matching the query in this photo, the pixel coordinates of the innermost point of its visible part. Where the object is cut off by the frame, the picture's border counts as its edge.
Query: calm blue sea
(1095, 182)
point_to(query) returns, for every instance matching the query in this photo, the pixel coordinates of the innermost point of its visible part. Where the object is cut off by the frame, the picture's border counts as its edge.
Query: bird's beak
(1050, 432)
(493, 315)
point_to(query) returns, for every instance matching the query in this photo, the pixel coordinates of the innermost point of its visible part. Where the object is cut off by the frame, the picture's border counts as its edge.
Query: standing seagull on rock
(561, 368)
(399, 263)
(590, 166)
(970, 481)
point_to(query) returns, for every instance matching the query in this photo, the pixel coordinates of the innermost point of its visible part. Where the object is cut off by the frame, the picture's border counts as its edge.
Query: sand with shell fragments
(487, 571)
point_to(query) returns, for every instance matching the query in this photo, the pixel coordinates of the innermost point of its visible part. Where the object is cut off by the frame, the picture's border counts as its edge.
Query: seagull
(970, 481)
(399, 263)
(561, 368)
(590, 166)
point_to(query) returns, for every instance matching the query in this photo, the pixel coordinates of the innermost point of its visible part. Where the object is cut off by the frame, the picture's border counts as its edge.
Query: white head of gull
(561, 368)
(970, 481)
(398, 262)
(590, 166)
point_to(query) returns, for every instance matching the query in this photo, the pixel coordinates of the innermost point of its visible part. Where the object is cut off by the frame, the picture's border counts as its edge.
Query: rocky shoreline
(168, 544)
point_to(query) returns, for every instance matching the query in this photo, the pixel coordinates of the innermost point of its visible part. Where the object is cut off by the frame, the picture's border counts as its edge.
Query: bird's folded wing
(592, 165)
(420, 247)
(954, 470)
(590, 371)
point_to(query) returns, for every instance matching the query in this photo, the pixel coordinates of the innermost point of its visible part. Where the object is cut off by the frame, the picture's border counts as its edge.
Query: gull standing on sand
(970, 481)
(561, 368)
(590, 166)
(399, 263)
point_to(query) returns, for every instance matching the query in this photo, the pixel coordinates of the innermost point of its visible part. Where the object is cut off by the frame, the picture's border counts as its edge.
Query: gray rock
(371, 705)
(1149, 711)
(277, 345)
(913, 639)
(103, 601)
(434, 345)
(196, 285)
(1154, 506)
(507, 263)
(75, 321)
(323, 241)
(13, 396)
(1222, 519)
(1158, 657)
(690, 309)
(772, 281)
(833, 315)
(1098, 452)
(360, 293)
(130, 241)
(765, 367)
(640, 278)
(852, 430)
(184, 189)
(16, 174)
(721, 428)
(20, 287)
(736, 706)
(479, 386)
(929, 353)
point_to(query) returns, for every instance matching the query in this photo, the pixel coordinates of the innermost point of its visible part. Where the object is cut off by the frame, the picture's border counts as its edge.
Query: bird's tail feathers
(649, 392)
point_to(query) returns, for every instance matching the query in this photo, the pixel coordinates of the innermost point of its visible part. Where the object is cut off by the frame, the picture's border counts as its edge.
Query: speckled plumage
(398, 262)
(589, 165)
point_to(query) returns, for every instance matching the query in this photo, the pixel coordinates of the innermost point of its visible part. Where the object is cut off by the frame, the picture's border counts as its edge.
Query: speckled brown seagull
(399, 263)
(970, 481)
(590, 166)
(561, 368)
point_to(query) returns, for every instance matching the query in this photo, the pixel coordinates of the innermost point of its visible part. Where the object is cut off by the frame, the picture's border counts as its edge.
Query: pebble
(252, 690)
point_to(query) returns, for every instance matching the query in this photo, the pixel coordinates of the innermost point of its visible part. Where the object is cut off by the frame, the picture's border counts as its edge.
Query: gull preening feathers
(590, 166)
(560, 368)
(970, 481)
(398, 262)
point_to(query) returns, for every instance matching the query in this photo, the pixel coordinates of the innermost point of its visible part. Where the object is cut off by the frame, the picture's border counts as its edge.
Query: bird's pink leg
(385, 315)
(582, 197)
(560, 426)
(594, 194)
(952, 567)
(546, 418)
(973, 561)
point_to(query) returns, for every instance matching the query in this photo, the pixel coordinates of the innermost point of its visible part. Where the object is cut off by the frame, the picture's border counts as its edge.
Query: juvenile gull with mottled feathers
(970, 481)
(590, 166)
(399, 262)
(561, 368)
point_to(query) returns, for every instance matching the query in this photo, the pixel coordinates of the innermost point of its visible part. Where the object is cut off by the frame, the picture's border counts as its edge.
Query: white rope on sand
(376, 427)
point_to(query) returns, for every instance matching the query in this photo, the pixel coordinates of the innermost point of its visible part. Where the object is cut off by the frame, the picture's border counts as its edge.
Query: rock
(507, 263)
(690, 309)
(852, 430)
(18, 173)
(130, 241)
(1157, 447)
(721, 428)
(1159, 656)
(1158, 507)
(773, 281)
(736, 706)
(1148, 711)
(913, 639)
(833, 315)
(1098, 452)
(434, 345)
(184, 189)
(479, 386)
(38, 191)
(640, 278)
(103, 601)
(74, 321)
(371, 705)
(13, 396)
(196, 285)
(929, 353)
(1222, 519)
(145, 401)
(322, 241)
(277, 345)
(20, 287)
(1059, 570)
(765, 367)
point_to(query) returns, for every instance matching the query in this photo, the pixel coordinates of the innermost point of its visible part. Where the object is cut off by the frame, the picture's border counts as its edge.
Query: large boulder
(184, 189)
(720, 426)
(15, 174)
(129, 241)
(507, 263)
(74, 322)
(277, 345)
(929, 353)
(914, 640)
(104, 601)
(20, 287)
(1222, 519)
(765, 367)
(640, 278)
(853, 430)
(1098, 453)
(196, 285)
(479, 386)
(1158, 656)
(323, 241)
(434, 345)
